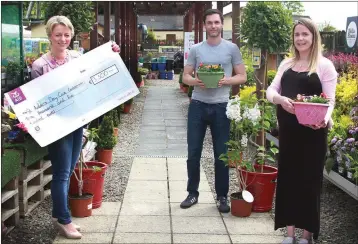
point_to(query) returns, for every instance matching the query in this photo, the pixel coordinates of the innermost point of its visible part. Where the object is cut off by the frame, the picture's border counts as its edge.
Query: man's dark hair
(213, 11)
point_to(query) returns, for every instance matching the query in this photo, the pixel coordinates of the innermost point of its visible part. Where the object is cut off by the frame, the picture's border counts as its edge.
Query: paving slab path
(150, 211)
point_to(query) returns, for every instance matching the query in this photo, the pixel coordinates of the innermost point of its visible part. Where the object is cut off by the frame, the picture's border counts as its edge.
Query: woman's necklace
(300, 66)
(58, 63)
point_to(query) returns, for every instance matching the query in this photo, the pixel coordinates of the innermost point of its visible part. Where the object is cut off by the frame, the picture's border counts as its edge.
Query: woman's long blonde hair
(316, 48)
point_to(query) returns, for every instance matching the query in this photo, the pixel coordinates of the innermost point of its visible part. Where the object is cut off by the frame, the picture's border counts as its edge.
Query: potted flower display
(106, 140)
(249, 117)
(244, 117)
(210, 75)
(311, 110)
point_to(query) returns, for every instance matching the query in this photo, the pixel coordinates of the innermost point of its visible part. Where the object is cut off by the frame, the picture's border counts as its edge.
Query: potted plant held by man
(106, 140)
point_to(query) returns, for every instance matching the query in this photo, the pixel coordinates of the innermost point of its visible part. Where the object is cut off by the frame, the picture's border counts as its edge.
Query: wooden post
(128, 24)
(220, 7)
(200, 20)
(94, 32)
(117, 23)
(261, 75)
(123, 30)
(196, 28)
(235, 36)
(107, 21)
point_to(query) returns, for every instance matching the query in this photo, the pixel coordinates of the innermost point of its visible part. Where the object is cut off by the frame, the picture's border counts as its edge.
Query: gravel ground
(339, 212)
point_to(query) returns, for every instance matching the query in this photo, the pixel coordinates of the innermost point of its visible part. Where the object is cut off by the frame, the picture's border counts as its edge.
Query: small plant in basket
(210, 74)
(311, 110)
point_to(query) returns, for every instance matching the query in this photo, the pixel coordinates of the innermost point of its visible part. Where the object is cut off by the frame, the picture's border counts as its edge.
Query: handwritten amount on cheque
(52, 104)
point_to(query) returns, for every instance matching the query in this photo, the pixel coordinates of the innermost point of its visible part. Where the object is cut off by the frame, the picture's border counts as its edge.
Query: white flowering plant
(248, 117)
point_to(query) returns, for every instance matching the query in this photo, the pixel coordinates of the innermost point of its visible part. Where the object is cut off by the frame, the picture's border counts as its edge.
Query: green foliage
(33, 14)
(190, 91)
(265, 155)
(13, 69)
(266, 25)
(149, 57)
(270, 76)
(115, 119)
(327, 27)
(81, 14)
(92, 134)
(151, 35)
(119, 110)
(250, 77)
(294, 7)
(143, 71)
(181, 77)
(106, 138)
(247, 92)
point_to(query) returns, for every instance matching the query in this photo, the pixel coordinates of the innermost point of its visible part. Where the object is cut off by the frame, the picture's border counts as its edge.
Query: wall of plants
(343, 138)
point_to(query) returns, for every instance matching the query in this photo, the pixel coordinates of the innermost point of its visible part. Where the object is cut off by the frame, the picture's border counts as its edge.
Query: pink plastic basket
(310, 113)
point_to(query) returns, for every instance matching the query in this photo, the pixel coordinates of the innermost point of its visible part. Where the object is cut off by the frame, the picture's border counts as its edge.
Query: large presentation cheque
(70, 96)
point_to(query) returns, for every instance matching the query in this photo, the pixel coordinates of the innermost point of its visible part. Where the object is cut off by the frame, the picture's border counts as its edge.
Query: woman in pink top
(302, 148)
(63, 153)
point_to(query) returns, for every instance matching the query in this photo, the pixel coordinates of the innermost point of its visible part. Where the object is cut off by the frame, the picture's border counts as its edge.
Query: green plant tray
(10, 165)
(210, 79)
(31, 149)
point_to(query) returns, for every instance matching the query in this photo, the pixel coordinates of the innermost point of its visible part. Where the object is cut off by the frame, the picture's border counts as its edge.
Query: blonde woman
(63, 153)
(302, 148)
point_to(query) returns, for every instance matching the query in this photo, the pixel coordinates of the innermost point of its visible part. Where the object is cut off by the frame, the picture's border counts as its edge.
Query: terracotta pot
(240, 207)
(127, 108)
(93, 182)
(81, 206)
(185, 89)
(105, 156)
(115, 132)
(262, 186)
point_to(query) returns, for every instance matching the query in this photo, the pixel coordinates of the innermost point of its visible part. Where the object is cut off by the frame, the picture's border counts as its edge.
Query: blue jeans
(64, 155)
(199, 117)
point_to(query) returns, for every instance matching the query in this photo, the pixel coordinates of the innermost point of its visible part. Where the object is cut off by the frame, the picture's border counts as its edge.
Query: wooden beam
(196, 27)
(94, 32)
(123, 30)
(117, 22)
(127, 42)
(107, 21)
(200, 19)
(235, 36)
(220, 7)
(236, 22)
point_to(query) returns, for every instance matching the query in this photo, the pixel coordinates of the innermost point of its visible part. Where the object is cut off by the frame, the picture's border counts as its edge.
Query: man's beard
(214, 34)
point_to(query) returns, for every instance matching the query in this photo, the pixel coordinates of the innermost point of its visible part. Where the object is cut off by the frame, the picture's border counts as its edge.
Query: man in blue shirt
(208, 106)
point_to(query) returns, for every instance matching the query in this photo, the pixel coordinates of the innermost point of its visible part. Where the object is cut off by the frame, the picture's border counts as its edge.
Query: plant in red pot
(81, 202)
(128, 106)
(106, 140)
(244, 117)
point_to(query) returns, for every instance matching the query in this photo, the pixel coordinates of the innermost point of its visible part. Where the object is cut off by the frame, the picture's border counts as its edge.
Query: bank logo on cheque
(17, 96)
